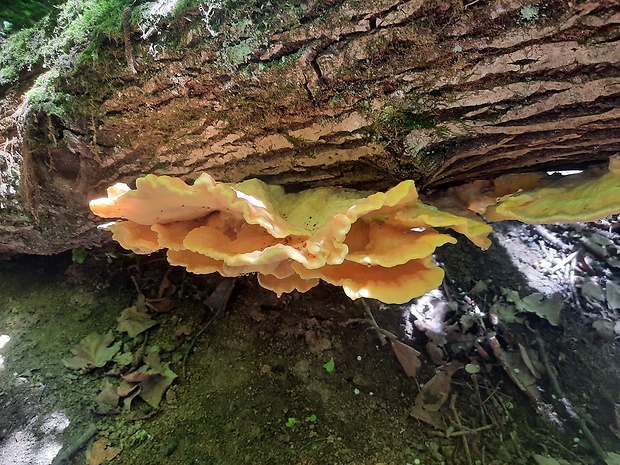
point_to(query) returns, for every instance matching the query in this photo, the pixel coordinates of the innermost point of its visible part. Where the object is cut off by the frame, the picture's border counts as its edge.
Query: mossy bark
(324, 92)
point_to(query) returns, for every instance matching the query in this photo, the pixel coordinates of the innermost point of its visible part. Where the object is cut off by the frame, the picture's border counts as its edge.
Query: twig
(135, 283)
(554, 241)
(373, 322)
(561, 264)
(457, 420)
(326, 439)
(470, 431)
(483, 409)
(71, 449)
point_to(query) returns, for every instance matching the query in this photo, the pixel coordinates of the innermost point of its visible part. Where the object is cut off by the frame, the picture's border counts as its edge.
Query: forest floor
(515, 360)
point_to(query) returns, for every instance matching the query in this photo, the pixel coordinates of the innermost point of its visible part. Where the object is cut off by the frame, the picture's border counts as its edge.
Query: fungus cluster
(538, 198)
(376, 245)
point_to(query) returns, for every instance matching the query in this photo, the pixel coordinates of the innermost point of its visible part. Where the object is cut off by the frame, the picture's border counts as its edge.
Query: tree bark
(357, 94)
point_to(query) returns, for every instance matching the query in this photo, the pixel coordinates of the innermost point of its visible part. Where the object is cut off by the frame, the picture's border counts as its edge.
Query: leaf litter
(94, 351)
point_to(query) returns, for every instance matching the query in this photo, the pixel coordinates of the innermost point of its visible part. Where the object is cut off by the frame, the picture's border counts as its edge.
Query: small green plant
(138, 437)
(80, 254)
(529, 13)
(312, 418)
(291, 422)
(330, 365)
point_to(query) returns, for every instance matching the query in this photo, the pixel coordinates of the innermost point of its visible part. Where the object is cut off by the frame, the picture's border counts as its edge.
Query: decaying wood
(359, 94)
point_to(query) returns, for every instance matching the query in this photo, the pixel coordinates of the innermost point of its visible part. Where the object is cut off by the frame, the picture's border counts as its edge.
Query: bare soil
(254, 384)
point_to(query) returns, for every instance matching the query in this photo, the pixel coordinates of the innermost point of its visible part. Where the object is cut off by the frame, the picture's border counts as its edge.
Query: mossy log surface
(349, 93)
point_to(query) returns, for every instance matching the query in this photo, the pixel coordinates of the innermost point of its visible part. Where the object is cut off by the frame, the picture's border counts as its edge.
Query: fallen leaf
(613, 295)
(514, 366)
(479, 288)
(431, 418)
(130, 394)
(154, 378)
(163, 305)
(94, 351)
(605, 329)
(126, 388)
(101, 452)
(155, 386)
(133, 321)
(505, 313)
(547, 308)
(166, 288)
(136, 377)
(612, 458)
(408, 357)
(184, 330)
(530, 361)
(593, 290)
(435, 392)
(124, 358)
(108, 395)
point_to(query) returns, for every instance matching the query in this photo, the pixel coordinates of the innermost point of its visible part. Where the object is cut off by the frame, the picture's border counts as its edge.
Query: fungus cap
(358, 240)
(588, 196)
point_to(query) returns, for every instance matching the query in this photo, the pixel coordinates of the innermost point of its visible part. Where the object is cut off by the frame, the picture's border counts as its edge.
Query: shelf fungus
(538, 198)
(376, 245)
(588, 196)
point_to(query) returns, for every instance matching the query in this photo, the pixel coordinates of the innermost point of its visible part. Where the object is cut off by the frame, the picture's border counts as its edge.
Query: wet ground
(124, 359)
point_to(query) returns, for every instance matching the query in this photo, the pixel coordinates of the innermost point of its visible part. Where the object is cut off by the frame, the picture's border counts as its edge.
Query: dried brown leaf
(154, 387)
(163, 305)
(133, 320)
(101, 452)
(126, 388)
(132, 395)
(408, 357)
(431, 418)
(154, 379)
(166, 288)
(108, 395)
(94, 351)
(184, 330)
(136, 377)
(436, 391)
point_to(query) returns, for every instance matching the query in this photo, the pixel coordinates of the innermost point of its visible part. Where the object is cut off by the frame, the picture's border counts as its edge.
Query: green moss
(400, 121)
(58, 42)
(45, 98)
(392, 125)
(240, 53)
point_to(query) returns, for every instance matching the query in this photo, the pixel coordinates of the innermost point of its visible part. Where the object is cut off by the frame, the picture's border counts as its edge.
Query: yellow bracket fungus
(535, 198)
(589, 196)
(362, 241)
(376, 245)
